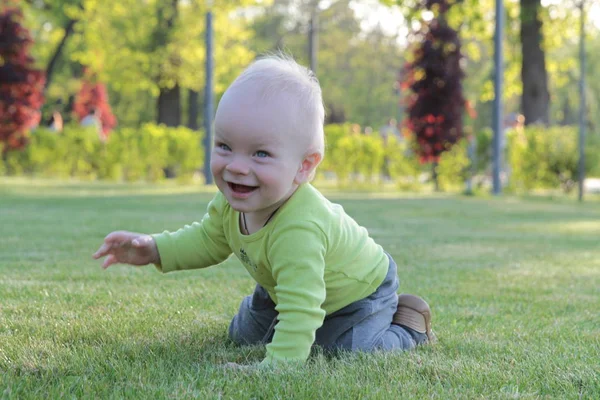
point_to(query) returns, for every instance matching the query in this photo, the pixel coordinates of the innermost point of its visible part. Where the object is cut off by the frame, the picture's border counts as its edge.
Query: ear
(309, 164)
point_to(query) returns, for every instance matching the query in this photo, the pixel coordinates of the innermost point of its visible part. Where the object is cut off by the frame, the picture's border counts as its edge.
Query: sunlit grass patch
(513, 284)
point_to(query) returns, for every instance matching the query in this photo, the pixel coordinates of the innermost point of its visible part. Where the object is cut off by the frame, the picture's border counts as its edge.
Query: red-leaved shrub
(21, 85)
(434, 76)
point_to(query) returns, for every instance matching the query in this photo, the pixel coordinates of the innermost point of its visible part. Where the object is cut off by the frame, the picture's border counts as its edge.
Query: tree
(434, 76)
(117, 40)
(533, 66)
(21, 87)
(356, 68)
(535, 100)
(169, 96)
(54, 11)
(151, 52)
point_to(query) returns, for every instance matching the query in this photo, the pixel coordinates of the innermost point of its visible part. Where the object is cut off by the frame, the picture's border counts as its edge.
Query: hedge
(129, 154)
(536, 157)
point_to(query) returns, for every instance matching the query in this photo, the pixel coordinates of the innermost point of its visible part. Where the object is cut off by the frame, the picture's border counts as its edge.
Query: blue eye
(223, 146)
(262, 154)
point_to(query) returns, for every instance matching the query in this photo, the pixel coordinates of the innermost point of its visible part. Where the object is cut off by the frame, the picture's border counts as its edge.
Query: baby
(321, 280)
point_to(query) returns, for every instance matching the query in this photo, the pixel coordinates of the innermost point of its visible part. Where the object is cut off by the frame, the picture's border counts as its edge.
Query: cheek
(278, 177)
(216, 163)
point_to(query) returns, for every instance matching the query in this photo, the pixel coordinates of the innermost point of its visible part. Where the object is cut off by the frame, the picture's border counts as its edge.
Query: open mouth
(241, 189)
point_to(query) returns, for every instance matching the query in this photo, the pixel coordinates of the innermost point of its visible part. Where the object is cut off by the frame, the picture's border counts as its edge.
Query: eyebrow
(220, 136)
(266, 144)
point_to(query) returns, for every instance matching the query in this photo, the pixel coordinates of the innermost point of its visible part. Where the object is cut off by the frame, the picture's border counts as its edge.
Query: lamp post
(498, 117)
(313, 28)
(582, 105)
(208, 94)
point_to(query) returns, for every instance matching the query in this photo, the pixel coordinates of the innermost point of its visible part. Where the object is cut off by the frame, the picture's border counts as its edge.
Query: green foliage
(130, 154)
(357, 69)
(130, 46)
(541, 157)
(345, 158)
(73, 153)
(483, 150)
(185, 153)
(133, 47)
(333, 134)
(402, 164)
(453, 167)
(560, 42)
(355, 157)
(537, 157)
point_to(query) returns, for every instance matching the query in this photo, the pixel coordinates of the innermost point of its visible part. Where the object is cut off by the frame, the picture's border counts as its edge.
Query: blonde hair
(279, 73)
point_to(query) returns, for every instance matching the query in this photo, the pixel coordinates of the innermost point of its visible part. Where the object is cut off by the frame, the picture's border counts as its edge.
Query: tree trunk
(69, 28)
(169, 106)
(434, 176)
(535, 100)
(169, 113)
(193, 108)
(68, 115)
(169, 100)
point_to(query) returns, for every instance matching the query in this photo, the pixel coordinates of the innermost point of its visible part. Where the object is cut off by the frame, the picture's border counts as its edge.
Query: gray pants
(364, 325)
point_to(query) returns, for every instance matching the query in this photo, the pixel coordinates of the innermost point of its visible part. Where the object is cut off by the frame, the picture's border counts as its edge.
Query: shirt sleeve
(297, 258)
(198, 245)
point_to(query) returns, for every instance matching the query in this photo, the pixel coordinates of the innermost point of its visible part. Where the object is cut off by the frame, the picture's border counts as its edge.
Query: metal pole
(498, 117)
(471, 157)
(313, 36)
(400, 119)
(582, 105)
(208, 97)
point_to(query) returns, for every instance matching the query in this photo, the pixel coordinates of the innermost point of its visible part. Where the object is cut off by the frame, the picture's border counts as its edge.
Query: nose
(238, 166)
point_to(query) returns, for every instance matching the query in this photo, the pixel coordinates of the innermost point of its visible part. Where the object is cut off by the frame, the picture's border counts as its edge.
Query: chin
(239, 205)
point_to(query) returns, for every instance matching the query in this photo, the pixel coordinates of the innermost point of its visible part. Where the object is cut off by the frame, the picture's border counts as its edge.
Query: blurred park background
(103, 114)
(117, 91)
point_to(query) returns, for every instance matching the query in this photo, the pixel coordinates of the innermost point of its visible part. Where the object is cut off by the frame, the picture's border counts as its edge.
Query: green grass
(514, 285)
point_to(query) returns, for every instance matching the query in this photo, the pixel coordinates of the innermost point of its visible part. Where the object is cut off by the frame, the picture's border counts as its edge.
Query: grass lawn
(514, 285)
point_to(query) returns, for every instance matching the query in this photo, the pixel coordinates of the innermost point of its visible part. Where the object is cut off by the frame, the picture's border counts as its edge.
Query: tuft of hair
(280, 73)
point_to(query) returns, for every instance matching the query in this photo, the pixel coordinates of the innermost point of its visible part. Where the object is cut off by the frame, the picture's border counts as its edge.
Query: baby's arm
(298, 265)
(198, 245)
(128, 248)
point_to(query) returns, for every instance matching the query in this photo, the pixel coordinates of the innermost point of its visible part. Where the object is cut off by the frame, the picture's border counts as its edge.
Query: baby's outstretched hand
(128, 248)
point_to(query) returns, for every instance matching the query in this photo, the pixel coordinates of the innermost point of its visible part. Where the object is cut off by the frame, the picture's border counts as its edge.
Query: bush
(72, 153)
(542, 157)
(22, 86)
(402, 164)
(333, 134)
(434, 75)
(357, 156)
(453, 166)
(185, 152)
(483, 151)
(130, 154)
(536, 157)
(353, 157)
(344, 158)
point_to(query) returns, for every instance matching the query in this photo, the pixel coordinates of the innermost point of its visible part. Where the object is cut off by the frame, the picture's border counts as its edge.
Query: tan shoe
(414, 313)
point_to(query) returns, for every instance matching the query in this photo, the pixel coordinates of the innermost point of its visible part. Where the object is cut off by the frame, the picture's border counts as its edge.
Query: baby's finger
(119, 237)
(102, 251)
(110, 260)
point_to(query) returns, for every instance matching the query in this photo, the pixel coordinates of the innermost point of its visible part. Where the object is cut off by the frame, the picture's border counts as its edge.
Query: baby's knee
(234, 332)
(241, 334)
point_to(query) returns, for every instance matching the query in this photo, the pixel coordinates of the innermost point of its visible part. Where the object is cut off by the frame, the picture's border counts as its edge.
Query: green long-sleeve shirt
(312, 258)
